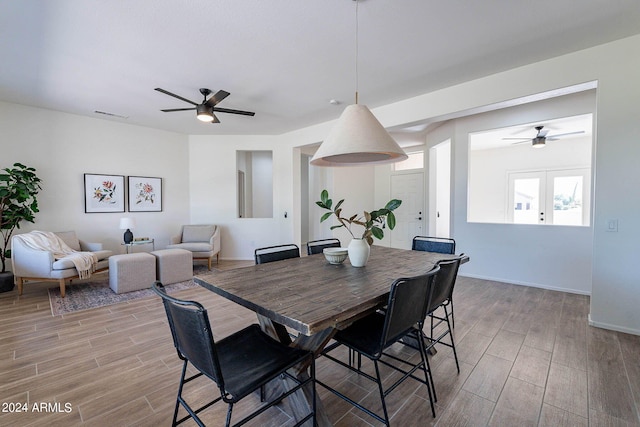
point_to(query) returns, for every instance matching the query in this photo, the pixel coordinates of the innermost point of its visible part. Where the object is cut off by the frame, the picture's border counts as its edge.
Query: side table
(128, 246)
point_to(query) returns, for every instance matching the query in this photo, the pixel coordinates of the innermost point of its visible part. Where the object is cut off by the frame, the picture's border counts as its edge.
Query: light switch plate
(612, 225)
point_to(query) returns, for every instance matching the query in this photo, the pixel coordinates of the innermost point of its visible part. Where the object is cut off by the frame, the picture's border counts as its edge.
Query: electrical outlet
(612, 225)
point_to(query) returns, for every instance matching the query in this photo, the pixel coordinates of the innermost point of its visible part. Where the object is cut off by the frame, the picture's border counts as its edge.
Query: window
(415, 161)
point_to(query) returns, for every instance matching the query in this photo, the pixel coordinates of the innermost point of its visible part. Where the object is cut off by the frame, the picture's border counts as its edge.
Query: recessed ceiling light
(334, 102)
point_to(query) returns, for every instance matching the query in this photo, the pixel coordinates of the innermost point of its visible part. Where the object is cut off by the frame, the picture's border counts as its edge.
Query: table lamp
(127, 224)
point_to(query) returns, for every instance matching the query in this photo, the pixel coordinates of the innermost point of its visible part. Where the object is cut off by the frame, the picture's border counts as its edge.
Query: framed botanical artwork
(145, 194)
(103, 193)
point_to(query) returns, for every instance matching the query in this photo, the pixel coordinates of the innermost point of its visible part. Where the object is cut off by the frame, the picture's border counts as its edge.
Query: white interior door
(408, 187)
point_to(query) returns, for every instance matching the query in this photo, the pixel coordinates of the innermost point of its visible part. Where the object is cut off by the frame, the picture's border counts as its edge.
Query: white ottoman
(131, 272)
(173, 265)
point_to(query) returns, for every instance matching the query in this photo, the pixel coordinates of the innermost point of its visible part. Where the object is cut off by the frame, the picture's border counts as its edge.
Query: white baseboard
(533, 285)
(613, 327)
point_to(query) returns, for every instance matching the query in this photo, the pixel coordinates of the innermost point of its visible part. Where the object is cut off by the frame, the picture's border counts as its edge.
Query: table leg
(299, 403)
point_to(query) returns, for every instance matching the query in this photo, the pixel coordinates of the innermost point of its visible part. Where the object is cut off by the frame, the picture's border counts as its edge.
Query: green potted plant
(372, 222)
(19, 186)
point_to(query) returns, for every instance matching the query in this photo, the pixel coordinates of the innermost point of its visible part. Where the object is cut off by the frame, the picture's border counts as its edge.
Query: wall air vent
(104, 113)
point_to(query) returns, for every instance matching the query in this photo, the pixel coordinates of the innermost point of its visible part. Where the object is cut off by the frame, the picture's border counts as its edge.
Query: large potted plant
(19, 186)
(372, 223)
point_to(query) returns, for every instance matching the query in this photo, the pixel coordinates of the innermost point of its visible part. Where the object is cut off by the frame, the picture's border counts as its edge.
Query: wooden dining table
(312, 298)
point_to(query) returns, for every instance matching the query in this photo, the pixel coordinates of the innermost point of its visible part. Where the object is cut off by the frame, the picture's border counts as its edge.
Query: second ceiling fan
(205, 110)
(541, 137)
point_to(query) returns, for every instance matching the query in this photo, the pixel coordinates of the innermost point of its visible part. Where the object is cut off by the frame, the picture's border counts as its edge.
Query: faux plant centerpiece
(372, 222)
(19, 186)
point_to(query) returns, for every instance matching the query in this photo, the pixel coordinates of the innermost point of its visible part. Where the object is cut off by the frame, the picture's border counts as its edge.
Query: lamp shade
(127, 223)
(358, 138)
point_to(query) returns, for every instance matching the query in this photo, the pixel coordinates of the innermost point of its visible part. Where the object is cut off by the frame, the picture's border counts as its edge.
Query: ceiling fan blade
(526, 139)
(177, 109)
(215, 119)
(543, 133)
(217, 97)
(564, 134)
(175, 96)
(521, 142)
(227, 110)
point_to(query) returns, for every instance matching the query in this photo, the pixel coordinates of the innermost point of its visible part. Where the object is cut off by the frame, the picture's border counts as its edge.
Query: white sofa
(202, 240)
(36, 265)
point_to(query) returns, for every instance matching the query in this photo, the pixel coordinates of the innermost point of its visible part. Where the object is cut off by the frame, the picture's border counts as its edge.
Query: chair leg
(453, 344)
(431, 387)
(175, 411)
(453, 319)
(210, 258)
(62, 288)
(381, 390)
(228, 423)
(19, 282)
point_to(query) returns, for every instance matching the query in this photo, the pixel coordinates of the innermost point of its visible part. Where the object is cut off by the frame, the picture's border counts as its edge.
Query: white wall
(212, 183)
(62, 147)
(615, 66)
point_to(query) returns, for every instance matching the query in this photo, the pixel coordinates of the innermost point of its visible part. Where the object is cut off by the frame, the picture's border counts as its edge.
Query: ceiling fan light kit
(204, 113)
(358, 138)
(538, 142)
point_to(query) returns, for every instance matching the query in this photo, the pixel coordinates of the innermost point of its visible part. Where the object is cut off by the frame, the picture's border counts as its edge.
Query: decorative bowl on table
(335, 255)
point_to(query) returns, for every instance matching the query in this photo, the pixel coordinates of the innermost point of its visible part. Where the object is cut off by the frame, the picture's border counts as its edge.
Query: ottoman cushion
(131, 272)
(173, 265)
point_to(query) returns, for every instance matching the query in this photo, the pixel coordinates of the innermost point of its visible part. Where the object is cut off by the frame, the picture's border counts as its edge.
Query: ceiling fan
(541, 137)
(205, 110)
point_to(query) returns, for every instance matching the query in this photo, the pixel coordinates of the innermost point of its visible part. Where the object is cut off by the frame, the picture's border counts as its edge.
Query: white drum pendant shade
(358, 139)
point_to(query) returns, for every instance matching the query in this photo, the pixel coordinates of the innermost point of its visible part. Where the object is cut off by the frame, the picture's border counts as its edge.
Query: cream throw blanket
(85, 262)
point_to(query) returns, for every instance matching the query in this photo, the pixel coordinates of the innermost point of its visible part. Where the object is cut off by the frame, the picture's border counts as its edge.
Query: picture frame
(103, 193)
(145, 194)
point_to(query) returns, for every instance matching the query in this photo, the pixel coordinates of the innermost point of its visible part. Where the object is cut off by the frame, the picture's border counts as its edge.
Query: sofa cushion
(197, 233)
(193, 247)
(64, 263)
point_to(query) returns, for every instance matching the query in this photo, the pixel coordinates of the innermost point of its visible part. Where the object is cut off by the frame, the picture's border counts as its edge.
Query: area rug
(97, 293)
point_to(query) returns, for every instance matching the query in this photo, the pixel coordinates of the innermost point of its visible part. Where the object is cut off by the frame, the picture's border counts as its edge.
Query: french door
(560, 197)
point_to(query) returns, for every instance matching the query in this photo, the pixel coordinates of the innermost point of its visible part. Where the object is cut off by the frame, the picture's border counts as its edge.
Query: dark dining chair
(443, 245)
(316, 246)
(370, 336)
(276, 253)
(441, 297)
(239, 364)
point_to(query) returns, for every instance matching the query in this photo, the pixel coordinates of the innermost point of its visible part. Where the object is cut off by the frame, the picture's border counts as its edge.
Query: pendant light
(358, 138)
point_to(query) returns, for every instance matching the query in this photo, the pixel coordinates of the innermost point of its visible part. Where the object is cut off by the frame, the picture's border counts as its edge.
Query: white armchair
(38, 265)
(202, 240)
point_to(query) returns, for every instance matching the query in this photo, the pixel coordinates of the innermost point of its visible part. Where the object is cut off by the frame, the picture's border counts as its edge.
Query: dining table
(303, 301)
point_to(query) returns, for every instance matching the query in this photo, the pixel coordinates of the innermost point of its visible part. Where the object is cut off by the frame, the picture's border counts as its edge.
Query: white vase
(358, 250)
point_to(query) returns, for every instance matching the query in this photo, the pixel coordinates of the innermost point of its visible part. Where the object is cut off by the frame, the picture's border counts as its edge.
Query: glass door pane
(570, 200)
(526, 197)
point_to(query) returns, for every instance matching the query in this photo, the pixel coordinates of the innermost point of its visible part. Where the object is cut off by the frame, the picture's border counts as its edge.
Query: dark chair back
(276, 253)
(444, 282)
(441, 245)
(316, 246)
(406, 306)
(191, 331)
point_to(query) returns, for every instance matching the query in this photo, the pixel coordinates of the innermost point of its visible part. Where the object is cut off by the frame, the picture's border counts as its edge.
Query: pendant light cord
(357, 1)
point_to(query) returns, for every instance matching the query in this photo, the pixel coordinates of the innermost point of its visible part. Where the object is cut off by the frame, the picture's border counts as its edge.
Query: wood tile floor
(527, 358)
